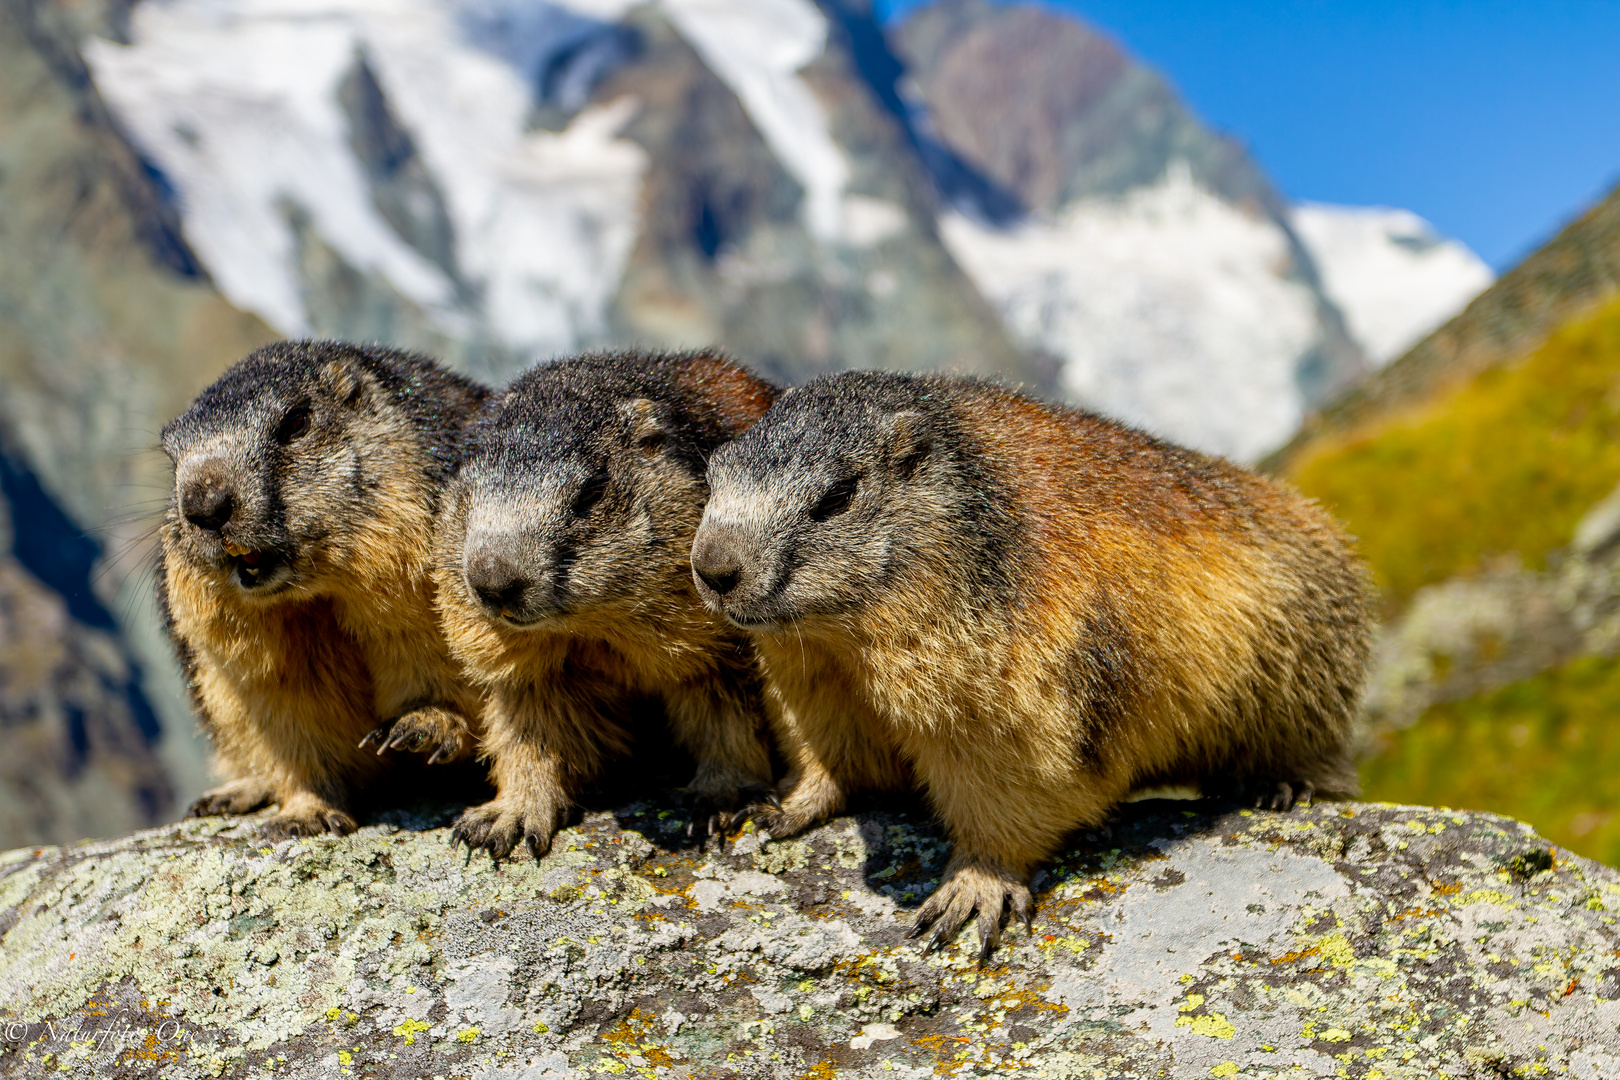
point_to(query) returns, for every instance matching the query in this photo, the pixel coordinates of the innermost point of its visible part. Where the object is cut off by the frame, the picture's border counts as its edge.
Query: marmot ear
(648, 432)
(909, 443)
(347, 385)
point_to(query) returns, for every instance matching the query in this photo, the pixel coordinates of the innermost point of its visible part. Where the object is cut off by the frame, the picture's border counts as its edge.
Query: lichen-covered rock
(1189, 940)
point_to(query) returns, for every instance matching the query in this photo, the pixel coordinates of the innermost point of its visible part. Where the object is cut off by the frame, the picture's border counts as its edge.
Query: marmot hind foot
(308, 817)
(717, 811)
(241, 796)
(968, 888)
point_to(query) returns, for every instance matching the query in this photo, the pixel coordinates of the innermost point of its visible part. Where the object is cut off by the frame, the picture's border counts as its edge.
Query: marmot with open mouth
(296, 574)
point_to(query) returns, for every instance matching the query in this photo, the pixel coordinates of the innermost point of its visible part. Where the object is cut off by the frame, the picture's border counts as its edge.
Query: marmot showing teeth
(1027, 610)
(566, 586)
(296, 576)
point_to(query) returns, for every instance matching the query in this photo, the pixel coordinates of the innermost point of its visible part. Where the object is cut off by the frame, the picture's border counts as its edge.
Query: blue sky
(1497, 120)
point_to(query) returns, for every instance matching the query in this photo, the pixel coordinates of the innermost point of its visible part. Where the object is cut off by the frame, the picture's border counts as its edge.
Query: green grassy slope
(1503, 466)
(1544, 750)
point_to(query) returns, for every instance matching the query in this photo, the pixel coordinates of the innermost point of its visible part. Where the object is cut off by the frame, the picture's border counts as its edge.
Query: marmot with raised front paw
(1027, 610)
(565, 582)
(296, 577)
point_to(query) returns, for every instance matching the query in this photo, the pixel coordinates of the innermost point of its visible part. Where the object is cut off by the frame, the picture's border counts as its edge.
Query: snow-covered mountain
(996, 189)
(1392, 275)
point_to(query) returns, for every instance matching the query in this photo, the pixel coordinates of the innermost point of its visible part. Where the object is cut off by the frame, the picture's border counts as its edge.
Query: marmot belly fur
(1028, 611)
(296, 577)
(566, 582)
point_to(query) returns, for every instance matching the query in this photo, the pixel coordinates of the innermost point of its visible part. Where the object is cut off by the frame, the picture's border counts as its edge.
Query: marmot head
(845, 482)
(583, 481)
(281, 467)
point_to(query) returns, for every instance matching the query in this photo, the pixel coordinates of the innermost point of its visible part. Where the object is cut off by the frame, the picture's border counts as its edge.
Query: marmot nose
(207, 506)
(496, 581)
(717, 565)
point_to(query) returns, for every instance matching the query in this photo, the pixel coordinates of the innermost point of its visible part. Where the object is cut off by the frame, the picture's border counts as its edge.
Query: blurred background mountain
(989, 188)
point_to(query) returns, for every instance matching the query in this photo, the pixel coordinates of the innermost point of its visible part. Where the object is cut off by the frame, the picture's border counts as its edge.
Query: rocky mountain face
(1151, 255)
(1189, 940)
(108, 324)
(995, 190)
(81, 737)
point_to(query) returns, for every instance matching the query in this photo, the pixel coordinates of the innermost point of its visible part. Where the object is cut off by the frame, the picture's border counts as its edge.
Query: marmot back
(566, 583)
(1030, 610)
(296, 572)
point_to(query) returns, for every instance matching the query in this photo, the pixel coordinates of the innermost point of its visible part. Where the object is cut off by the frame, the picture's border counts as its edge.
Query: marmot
(565, 582)
(296, 577)
(1028, 610)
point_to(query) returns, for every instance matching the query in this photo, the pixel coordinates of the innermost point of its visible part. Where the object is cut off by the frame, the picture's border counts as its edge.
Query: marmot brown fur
(566, 585)
(1027, 610)
(296, 577)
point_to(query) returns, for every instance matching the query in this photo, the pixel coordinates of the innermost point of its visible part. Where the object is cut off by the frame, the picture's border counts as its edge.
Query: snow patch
(1394, 278)
(1167, 306)
(238, 104)
(757, 48)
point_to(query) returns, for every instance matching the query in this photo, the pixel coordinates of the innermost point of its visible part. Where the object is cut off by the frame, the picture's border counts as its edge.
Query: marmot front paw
(499, 825)
(431, 730)
(968, 888)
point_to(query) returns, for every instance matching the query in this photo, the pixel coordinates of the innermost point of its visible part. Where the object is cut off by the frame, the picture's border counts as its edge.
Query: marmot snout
(1027, 610)
(566, 585)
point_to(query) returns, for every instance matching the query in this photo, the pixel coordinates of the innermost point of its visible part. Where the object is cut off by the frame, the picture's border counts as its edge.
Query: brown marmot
(1027, 610)
(296, 577)
(565, 582)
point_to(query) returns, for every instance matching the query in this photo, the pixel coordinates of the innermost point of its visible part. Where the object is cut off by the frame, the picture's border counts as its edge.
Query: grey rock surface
(1472, 634)
(1187, 940)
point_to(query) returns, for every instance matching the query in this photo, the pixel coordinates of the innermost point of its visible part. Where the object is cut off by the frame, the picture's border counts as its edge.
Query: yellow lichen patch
(467, 1035)
(409, 1029)
(1213, 1025)
(1336, 950)
(1225, 1068)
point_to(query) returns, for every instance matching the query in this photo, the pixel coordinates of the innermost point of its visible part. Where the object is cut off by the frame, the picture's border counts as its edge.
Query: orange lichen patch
(634, 1036)
(1013, 1000)
(1446, 888)
(1290, 957)
(823, 1071)
(1412, 912)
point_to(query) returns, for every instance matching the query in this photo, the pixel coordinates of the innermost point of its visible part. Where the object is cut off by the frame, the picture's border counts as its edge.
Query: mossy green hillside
(1542, 750)
(1502, 467)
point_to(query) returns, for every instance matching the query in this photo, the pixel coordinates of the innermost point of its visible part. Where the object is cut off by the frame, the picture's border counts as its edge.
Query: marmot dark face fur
(1028, 610)
(566, 585)
(297, 571)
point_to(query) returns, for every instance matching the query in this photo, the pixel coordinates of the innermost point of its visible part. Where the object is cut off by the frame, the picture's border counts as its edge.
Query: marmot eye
(653, 442)
(294, 425)
(590, 494)
(836, 501)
